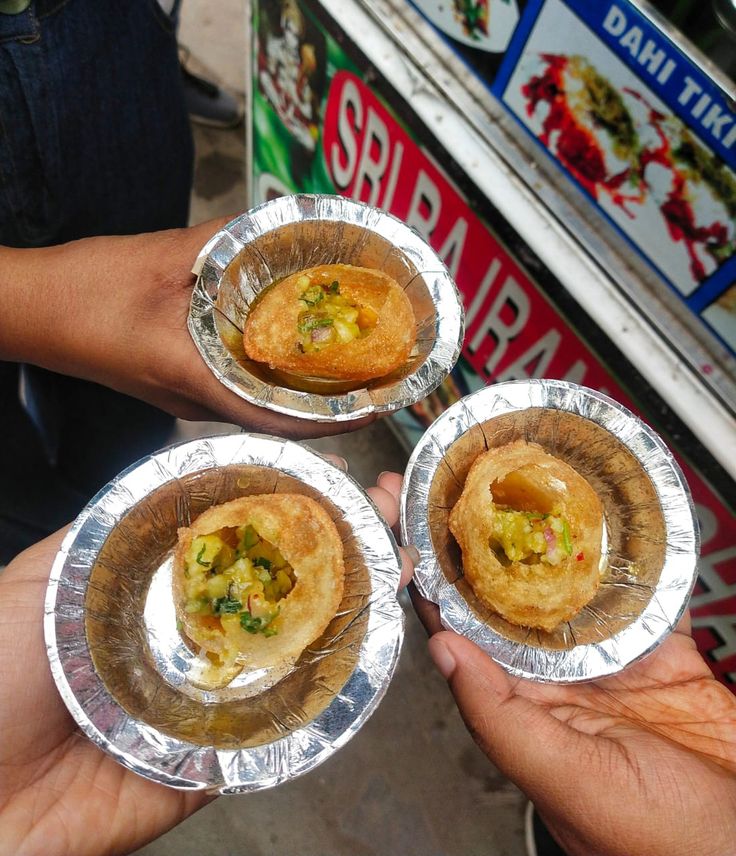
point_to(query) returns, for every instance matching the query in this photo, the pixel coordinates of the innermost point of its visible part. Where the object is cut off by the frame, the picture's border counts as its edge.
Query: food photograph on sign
(483, 24)
(671, 196)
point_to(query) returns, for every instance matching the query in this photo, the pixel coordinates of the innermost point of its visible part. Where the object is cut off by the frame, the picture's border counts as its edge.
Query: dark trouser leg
(34, 497)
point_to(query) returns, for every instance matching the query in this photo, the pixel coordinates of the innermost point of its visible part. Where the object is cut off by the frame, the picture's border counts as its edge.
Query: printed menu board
(635, 124)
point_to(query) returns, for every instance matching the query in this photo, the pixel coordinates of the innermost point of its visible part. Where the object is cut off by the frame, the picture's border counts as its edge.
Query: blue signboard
(641, 129)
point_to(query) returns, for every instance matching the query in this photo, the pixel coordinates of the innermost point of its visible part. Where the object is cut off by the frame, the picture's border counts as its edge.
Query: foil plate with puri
(553, 528)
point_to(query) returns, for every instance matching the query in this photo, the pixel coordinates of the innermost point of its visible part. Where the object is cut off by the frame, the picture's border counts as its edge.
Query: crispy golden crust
(308, 539)
(525, 477)
(271, 336)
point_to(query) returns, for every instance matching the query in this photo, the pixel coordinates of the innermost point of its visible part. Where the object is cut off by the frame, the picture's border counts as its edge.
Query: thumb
(523, 739)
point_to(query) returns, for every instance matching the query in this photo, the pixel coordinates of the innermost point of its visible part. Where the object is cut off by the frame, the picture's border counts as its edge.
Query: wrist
(58, 305)
(41, 307)
(24, 301)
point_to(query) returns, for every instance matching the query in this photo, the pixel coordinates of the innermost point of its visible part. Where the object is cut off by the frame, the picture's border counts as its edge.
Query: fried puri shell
(271, 337)
(524, 477)
(307, 538)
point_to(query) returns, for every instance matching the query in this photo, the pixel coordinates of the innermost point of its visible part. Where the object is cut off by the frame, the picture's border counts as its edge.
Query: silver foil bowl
(119, 661)
(291, 233)
(650, 535)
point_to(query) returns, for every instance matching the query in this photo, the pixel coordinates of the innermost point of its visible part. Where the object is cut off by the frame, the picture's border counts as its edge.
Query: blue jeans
(94, 140)
(94, 134)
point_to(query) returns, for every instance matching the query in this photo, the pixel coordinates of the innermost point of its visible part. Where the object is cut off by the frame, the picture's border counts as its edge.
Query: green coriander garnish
(226, 604)
(262, 562)
(334, 287)
(250, 624)
(257, 625)
(199, 557)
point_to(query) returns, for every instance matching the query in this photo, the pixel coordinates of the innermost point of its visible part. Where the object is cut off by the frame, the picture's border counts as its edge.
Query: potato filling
(530, 535)
(329, 318)
(237, 578)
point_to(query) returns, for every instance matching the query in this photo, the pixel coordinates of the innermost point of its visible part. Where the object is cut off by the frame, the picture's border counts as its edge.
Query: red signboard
(513, 331)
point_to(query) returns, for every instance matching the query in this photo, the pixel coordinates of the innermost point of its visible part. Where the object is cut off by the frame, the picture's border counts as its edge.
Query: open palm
(641, 764)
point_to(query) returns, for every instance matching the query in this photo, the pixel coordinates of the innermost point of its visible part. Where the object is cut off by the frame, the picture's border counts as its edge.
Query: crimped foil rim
(669, 599)
(168, 760)
(234, 237)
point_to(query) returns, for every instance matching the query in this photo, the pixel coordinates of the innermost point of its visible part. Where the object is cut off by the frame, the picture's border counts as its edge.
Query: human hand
(114, 310)
(640, 764)
(59, 794)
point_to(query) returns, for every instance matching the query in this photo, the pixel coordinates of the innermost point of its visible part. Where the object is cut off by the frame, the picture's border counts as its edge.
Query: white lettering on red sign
(342, 173)
(511, 296)
(452, 250)
(373, 159)
(425, 206)
(534, 362)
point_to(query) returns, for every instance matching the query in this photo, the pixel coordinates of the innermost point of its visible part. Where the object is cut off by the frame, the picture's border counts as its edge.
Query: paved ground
(411, 781)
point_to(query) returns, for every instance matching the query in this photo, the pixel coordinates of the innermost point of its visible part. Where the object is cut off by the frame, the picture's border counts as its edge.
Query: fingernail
(381, 475)
(341, 463)
(442, 657)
